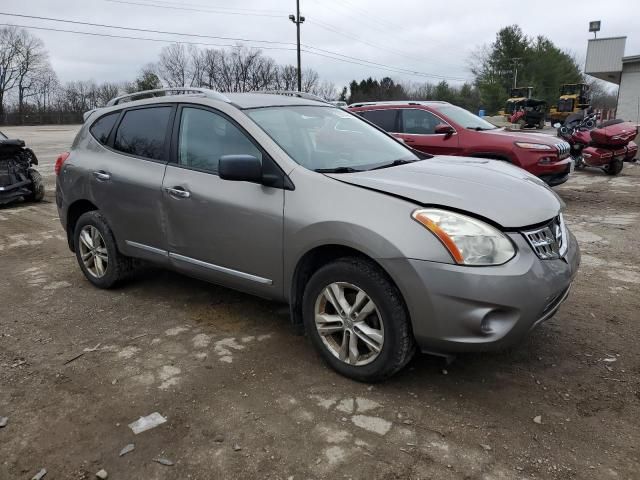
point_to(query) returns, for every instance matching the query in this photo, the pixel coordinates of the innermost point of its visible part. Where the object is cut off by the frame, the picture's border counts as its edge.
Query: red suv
(440, 128)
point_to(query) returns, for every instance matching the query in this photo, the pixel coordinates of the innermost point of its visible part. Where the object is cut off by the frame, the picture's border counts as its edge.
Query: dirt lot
(246, 398)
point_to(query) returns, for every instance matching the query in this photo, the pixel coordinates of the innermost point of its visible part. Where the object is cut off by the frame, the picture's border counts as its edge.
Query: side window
(385, 119)
(142, 132)
(206, 136)
(103, 126)
(419, 122)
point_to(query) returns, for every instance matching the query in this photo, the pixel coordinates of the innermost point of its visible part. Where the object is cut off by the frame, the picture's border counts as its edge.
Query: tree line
(30, 88)
(540, 64)
(29, 85)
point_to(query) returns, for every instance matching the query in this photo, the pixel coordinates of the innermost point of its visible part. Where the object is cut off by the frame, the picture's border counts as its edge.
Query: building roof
(631, 59)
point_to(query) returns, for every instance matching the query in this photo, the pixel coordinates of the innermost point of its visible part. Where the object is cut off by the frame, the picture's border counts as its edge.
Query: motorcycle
(606, 146)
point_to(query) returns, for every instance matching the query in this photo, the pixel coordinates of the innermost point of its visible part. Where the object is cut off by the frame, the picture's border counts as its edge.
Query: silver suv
(377, 248)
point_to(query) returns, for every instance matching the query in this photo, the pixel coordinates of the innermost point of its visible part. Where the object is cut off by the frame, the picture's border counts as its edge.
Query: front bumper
(455, 308)
(552, 170)
(15, 191)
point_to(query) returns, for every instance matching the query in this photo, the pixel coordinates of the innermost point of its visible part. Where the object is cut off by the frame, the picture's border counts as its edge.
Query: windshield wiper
(395, 163)
(337, 170)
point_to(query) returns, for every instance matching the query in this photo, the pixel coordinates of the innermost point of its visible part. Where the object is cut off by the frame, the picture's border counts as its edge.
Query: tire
(389, 317)
(37, 186)
(522, 123)
(614, 168)
(540, 124)
(118, 267)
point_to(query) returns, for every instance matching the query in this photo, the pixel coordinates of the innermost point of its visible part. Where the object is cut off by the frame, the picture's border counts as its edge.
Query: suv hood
(510, 136)
(495, 190)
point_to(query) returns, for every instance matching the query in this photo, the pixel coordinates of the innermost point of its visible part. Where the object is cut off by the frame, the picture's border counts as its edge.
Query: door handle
(410, 140)
(102, 175)
(178, 192)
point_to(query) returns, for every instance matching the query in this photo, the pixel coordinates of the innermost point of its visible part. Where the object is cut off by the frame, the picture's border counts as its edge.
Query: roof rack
(397, 102)
(159, 92)
(294, 93)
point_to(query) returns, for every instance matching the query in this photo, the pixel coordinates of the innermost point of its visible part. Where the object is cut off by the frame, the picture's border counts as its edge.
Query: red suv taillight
(59, 161)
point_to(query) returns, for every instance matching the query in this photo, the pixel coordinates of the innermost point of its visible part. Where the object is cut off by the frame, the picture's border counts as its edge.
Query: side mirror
(240, 168)
(443, 128)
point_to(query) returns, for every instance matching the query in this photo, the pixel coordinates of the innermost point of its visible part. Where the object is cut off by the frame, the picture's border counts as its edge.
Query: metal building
(606, 61)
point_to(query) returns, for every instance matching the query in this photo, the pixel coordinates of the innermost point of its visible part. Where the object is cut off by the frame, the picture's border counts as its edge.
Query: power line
(94, 34)
(164, 32)
(319, 23)
(332, 54)
(258, 10)
(382, 66)
(161, 40)
(210, 10)
(365, 42)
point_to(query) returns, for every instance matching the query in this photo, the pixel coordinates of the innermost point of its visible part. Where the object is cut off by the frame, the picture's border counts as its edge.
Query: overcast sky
(428, 36)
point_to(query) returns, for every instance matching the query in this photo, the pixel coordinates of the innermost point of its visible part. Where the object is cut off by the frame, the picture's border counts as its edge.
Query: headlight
(469, 241)
(534, 146)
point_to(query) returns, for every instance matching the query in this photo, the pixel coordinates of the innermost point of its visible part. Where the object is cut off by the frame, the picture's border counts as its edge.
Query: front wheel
(357, 320)
(614, 168)
(37, 186)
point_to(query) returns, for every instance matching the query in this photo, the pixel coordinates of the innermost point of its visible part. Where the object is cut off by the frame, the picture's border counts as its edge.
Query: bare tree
(32, 62)
(309, 79)
(326, 90)
(173, 66)
(9, 61)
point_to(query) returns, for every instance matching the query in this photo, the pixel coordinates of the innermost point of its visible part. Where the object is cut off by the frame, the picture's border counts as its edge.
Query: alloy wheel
(349, 323)
(93, 251)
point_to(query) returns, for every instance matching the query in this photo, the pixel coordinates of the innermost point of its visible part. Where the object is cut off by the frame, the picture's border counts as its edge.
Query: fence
(44, 118)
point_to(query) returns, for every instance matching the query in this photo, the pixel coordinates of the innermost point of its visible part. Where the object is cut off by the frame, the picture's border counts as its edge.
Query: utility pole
(297, 19)
(515, 71)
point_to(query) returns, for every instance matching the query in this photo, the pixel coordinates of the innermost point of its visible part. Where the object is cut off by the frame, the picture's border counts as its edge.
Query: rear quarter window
(102, 127)
(142, 132)
(385, 119)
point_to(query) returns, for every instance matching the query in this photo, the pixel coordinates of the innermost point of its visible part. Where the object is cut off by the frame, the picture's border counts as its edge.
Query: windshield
(329, 138)
(464, 118)
(569, 90)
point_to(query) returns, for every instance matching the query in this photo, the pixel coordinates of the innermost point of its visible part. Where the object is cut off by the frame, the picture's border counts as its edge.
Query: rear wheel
(522, 123)
(97, 253)
(540, 124)
(357, 320)
(37, 186)
(614, 168)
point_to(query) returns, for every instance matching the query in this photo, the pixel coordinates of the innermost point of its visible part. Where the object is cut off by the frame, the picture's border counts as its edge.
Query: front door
(418, 130)
(223, 231)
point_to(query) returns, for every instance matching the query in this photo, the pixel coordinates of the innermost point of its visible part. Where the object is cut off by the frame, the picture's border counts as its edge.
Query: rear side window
(102, 128)
(142, 132)
(385, 119)
(206, 136)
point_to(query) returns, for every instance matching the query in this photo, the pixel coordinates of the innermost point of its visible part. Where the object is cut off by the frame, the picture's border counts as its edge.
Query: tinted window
(385, 119)
(206, 136)
(102, 128)
(419, 122)
(142, 132)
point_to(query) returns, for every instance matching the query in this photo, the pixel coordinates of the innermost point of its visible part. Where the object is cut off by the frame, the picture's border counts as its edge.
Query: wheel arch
(75, 211)
(310, 262)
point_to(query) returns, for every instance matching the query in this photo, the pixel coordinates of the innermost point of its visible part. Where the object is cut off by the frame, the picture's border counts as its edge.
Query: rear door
(224, 231)
(387, 119)
(127, 179)
(417, 129)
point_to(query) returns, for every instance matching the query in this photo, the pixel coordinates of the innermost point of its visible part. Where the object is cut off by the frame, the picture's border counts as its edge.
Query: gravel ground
(244, 397)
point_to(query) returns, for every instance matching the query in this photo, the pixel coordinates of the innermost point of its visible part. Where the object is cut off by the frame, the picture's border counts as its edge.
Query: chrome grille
(549, 242)
(563, 149)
